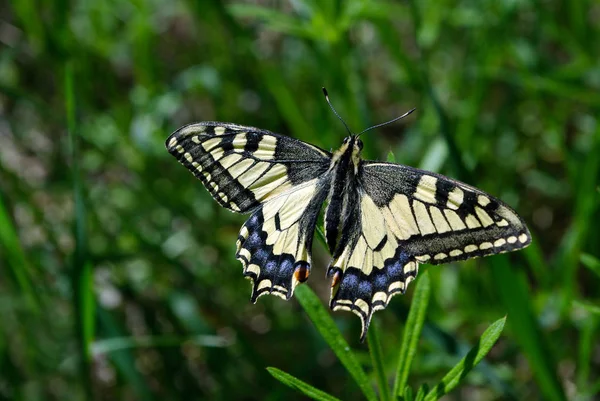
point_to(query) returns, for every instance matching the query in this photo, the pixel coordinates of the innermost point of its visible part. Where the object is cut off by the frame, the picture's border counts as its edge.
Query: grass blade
(423, 390)
(298, 384)
(590, 262)
(16, 258)
(585, 352)
(81, 273)
(408, 394)
(451, 380)
(113, 344)
(330, 332)
(513, 291)
(124, 359)
(591, 308)
(377, 360)
(412, 332)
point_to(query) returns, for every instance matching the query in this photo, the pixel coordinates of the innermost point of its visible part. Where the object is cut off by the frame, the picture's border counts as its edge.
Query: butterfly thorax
(343, 194)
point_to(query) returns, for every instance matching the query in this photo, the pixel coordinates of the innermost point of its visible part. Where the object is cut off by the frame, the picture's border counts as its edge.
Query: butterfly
(381, 220)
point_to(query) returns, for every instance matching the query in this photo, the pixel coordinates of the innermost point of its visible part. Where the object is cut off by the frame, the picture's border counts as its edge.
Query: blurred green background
(117, 271)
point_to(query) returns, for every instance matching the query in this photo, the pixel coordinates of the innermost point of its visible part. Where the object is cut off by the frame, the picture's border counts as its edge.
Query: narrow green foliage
(390, 157)
(330, 332)
(88, 307)
(19, 265)
(408, 394)
(275, 20)
(377, 359)
(298, 384)
(121, 343)
(321, 235)
(423, 390)
(592, 308)
(591, 263)
(81, 273)
(412, 332)
(451, 380)
(123, 359)
(587, 342)
(512, 288)
(582, 227)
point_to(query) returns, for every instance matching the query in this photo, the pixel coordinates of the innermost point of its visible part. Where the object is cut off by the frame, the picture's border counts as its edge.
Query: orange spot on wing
(302, 272)
(337, 277)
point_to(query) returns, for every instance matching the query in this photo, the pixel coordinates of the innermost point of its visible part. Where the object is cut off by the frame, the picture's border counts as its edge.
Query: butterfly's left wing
(405, 216)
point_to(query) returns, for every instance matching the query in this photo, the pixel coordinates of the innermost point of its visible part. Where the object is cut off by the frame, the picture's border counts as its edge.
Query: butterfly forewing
(243, 167)
(439, 220)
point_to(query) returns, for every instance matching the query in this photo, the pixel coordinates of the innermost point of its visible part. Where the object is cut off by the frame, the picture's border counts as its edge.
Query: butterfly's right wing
(283, 181)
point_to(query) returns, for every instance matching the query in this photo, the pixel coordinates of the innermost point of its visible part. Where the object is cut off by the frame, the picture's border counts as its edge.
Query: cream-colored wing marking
(274, 244)
(244, 166)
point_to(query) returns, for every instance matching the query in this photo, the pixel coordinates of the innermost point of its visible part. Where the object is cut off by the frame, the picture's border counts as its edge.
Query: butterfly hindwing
(369, 265)
(243, 167)
(274, 245)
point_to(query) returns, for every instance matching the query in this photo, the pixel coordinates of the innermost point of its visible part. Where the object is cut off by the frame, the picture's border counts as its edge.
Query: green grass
(117, 271)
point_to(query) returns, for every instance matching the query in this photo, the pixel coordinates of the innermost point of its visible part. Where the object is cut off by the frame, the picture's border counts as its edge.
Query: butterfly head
(350, 150)
(353, 142)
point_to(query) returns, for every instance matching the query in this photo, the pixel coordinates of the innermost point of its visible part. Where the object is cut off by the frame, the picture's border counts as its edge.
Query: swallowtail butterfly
(381, 219)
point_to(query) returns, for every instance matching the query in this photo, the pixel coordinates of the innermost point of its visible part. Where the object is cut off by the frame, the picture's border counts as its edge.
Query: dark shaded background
(117, 270)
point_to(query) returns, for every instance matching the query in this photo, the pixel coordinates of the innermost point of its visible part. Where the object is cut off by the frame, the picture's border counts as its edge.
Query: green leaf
(113, 344)
(465, 365)
(298, 384)
(408, 394)
(590, 262)
(330, 332)
(390, 157)
(587, 342)
(377, 360)
(273, 19)
(424, 389)
(321, 236)
(595, 309)
(412, 332)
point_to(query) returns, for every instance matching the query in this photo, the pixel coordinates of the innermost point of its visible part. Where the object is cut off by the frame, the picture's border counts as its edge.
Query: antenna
(335, 112)
(386, 123)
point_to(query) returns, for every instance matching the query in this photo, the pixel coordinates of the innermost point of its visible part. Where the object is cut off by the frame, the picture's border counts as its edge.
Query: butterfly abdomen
(342, 196)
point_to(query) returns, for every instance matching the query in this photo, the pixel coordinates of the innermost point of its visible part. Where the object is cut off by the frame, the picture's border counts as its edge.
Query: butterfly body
(343, 186)
(381, 219)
